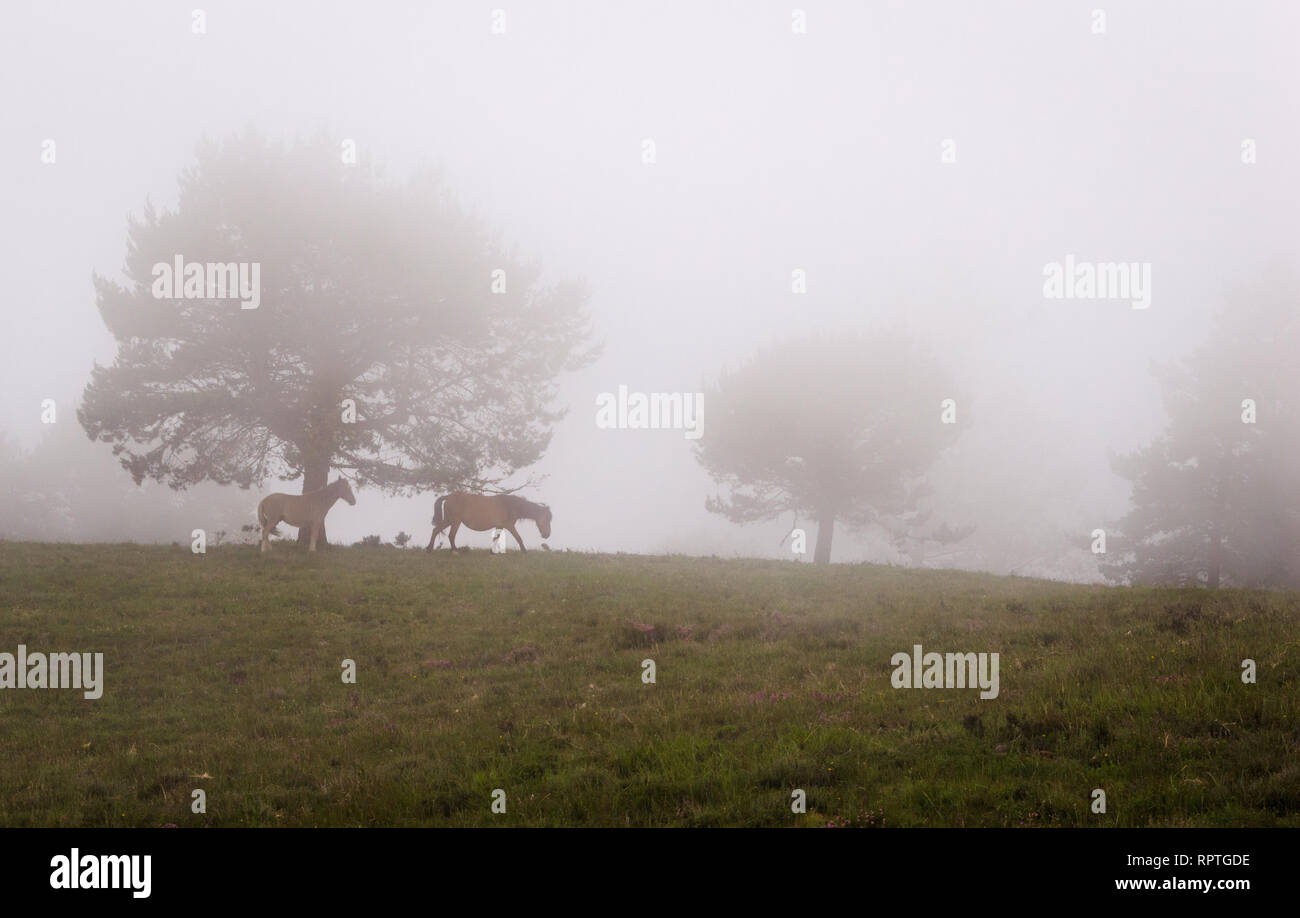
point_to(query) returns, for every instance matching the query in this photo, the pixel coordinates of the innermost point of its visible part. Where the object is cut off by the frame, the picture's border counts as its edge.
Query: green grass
(478, 672)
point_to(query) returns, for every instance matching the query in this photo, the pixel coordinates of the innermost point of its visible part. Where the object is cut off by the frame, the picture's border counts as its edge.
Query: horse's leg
(451, 536)
(515, 532)
(315, 528)
(266, 544)
(434, 537)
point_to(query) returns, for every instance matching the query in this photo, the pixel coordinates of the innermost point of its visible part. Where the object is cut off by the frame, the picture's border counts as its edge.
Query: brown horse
(482, 512)
(301, 509)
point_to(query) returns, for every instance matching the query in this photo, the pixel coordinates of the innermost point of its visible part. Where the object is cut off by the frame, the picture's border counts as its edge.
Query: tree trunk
(315, 476)
(825, 533)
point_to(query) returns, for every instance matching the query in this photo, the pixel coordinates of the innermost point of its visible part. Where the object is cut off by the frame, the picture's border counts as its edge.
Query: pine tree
(837, 427)
(396, 338)
(1216, 497)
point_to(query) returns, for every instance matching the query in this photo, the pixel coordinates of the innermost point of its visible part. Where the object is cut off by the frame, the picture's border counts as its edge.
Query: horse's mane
(526, 508)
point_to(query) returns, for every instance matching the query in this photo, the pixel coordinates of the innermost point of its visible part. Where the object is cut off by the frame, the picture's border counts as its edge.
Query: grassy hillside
(477, 672)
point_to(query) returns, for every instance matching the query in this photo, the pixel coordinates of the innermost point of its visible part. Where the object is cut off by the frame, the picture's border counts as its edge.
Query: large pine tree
(396, 338)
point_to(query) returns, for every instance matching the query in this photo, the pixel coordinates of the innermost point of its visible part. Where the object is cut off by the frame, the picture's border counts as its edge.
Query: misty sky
(775, 151)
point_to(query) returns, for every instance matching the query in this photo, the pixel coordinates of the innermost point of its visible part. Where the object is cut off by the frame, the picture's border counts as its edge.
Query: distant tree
(401, 539)
(837, 427)
(66, 488)
(396, 339)
(21, 513)
(1216, 497)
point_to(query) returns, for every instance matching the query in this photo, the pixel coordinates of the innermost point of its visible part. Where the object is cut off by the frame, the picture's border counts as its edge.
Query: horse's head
(543, 520)
(344, 490)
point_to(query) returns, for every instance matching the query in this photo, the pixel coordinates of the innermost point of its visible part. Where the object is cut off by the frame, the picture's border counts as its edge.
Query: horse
(482, 512)
(301, 509)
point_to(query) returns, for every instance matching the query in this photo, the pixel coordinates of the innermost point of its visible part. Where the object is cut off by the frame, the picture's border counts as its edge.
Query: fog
(919, 163)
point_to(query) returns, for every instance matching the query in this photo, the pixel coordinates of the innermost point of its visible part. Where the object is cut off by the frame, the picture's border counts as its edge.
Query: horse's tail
(438, 518)
(261, 518)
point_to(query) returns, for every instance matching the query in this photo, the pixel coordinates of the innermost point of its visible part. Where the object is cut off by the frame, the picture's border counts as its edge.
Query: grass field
(524, 673)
